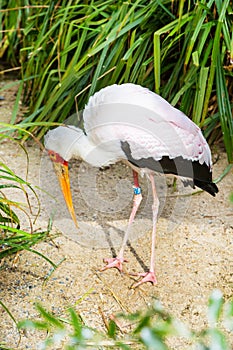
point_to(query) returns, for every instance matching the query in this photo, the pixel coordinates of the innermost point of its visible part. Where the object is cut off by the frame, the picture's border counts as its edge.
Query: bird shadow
(121, 233)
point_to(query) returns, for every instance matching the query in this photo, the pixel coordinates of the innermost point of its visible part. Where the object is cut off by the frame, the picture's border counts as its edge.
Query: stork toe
(114, 262)
(146, 277)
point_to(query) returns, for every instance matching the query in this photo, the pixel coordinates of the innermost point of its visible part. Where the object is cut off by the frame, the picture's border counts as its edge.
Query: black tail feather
(209, 187)
(193, 170)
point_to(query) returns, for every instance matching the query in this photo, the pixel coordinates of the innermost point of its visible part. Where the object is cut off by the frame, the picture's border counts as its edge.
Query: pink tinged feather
(151, 126)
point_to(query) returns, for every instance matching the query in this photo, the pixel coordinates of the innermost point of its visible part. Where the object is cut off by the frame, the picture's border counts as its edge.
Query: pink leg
(150, 276)
(118, 261)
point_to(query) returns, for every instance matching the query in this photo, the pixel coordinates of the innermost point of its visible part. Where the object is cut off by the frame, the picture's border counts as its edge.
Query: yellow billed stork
(132, 124)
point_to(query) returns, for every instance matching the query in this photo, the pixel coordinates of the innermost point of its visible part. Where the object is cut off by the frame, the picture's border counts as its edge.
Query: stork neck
(95, 154)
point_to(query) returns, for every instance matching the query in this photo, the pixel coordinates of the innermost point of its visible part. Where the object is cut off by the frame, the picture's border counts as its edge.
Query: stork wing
(148, 123)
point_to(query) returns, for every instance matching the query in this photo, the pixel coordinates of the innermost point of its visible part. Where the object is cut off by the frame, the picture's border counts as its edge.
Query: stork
(132, 124)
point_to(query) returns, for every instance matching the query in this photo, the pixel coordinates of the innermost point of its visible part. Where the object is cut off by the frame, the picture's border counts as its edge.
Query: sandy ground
(194, 247)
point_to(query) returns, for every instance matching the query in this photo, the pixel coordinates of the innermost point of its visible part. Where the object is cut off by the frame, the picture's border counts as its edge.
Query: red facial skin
(55, 157)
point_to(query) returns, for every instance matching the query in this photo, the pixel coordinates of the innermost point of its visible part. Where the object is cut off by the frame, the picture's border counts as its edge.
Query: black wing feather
(200, 173)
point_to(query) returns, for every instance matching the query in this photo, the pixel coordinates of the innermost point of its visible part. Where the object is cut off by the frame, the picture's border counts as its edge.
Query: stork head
(58, 143)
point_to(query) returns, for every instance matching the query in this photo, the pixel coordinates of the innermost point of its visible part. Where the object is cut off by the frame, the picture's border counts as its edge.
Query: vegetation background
(64, 51)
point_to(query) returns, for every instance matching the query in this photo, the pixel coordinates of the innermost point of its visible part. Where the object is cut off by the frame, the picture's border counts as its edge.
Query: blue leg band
(137, 190)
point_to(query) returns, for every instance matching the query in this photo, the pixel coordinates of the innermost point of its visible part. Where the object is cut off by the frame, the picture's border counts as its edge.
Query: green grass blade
(157, 62)
(214, 57)
(8, 312)
(224, 110)
(200, 95)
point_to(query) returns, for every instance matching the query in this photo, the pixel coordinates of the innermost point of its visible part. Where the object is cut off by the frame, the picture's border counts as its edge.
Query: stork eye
(52, 155)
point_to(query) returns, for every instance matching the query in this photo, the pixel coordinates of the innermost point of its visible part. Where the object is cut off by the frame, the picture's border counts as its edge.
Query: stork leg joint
(155, 206)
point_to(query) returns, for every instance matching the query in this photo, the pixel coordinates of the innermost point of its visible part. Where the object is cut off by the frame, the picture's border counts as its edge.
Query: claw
(147, 277)
(114, 262)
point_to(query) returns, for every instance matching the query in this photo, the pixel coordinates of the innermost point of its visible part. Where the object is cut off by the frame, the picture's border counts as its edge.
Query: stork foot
(146, 277)
(114, 262)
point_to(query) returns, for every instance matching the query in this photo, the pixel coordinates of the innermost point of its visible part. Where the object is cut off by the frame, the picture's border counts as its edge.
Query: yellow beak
(62, 173)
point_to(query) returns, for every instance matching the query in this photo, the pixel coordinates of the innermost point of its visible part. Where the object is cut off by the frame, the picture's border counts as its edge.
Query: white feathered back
(151, 126)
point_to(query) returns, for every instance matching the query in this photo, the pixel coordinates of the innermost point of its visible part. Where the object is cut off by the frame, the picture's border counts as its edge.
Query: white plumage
(153, 126)
(131, 123)
(131, 113)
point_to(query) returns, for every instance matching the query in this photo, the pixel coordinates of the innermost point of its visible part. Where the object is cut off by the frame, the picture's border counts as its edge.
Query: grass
(151, 329)
(13, 238)
(67, 51)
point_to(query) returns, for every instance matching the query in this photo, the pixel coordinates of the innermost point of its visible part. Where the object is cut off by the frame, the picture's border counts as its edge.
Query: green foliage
(12, 237)
(68, 50)
(151, 329)
(231, 197)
